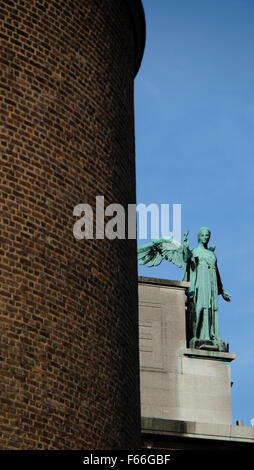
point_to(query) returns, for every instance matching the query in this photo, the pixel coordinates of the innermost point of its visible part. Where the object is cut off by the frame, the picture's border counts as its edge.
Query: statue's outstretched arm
(221, 290)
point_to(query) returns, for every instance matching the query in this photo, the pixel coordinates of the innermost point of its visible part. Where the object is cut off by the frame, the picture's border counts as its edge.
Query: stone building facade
(185, 392)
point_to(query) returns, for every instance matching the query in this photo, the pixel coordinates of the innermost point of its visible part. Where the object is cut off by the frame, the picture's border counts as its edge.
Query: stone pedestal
(204, 386)
(214, 345)
(178, 383)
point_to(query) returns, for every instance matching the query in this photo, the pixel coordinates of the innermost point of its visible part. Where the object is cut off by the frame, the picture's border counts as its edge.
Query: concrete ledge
(163, 282)
(191, 429)
(206, 354)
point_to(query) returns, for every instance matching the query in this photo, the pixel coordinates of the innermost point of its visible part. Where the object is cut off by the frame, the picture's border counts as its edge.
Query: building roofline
(136, 11)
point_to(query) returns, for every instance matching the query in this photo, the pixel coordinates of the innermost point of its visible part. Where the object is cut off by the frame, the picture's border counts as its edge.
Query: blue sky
(194, 121)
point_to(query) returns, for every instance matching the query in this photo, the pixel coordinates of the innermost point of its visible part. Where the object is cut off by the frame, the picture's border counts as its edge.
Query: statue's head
(204, 234)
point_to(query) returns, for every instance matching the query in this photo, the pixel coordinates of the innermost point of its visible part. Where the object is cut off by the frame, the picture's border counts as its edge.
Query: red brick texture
(68, 345)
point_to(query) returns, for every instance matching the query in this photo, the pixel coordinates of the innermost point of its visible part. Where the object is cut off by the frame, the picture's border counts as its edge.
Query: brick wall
(68, 345)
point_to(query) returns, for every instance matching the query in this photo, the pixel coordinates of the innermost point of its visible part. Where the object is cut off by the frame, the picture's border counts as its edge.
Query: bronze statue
(201, 270)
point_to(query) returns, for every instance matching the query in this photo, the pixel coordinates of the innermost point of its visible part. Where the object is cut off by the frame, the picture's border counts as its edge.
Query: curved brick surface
(69, 359)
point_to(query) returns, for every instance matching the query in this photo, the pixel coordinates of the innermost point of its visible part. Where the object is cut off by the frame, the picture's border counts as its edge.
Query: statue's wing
(173, 251)
(154, 252)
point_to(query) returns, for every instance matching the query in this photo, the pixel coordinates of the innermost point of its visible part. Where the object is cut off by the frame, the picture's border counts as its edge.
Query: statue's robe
(202, 314)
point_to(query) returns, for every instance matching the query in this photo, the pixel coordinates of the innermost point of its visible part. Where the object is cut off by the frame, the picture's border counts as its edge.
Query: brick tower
(69, 348)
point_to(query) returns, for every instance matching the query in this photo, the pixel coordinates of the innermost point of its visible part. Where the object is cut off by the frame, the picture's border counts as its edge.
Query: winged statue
(201, 270)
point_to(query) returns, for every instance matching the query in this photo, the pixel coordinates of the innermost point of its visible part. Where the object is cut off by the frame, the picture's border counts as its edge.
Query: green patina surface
(201, 270)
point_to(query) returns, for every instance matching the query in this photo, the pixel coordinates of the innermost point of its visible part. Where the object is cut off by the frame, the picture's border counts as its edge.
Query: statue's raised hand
(185, 239)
